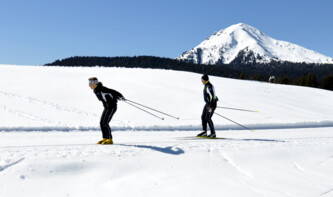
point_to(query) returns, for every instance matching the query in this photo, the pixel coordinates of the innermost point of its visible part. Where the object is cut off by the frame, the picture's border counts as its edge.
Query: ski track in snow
(47, 104)
(238, 168)
(325, 194)
(325, 161)
(300, 168)
(22, 114)
(4, 167)
(174, 146)
(218, 156)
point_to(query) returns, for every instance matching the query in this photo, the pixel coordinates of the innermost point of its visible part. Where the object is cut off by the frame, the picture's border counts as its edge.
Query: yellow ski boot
(107, 141)
(101, 142)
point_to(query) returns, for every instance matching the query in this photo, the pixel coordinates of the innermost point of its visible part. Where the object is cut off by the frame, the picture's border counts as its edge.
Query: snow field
(294, 162)
(58, 98)
(49, 124)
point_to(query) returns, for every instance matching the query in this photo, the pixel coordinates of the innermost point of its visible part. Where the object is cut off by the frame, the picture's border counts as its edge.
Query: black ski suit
(211, 103)
(109, 99)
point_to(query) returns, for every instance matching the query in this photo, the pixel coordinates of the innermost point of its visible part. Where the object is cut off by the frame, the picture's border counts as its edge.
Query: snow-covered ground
(58, 98)
(288, 162)
(49, 121)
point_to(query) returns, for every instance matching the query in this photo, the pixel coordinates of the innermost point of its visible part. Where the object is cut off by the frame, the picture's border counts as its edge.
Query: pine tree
(311, 80)
(301, 81)
(327, 82)
(283, 80)
(242, 75)
(257, 77)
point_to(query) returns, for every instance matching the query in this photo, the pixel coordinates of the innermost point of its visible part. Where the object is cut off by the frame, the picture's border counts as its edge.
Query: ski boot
(107, 141)
(211, 136)
(202, 134)
(101, 141)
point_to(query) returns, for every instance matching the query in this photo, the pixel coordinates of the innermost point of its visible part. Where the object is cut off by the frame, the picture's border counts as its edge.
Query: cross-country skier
(209, 108)
(109, 99)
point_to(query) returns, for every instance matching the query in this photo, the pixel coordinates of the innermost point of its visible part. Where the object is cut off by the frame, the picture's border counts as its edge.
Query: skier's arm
(117, 95)
(212, 94)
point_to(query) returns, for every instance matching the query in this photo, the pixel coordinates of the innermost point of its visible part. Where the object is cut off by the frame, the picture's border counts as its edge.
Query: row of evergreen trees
(303, 74)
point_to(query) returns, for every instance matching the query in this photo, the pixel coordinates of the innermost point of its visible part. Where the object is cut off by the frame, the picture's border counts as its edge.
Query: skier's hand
(209, 109)
(122, 99)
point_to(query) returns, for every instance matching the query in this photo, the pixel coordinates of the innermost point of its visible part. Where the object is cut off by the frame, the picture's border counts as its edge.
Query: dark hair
(205, 77)
(93, 79)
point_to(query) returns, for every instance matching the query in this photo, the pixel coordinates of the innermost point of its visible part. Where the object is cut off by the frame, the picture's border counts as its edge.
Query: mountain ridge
(249, 45)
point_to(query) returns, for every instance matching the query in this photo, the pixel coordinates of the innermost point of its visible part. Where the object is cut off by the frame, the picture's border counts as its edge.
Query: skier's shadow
(258, 140)
(167, 150)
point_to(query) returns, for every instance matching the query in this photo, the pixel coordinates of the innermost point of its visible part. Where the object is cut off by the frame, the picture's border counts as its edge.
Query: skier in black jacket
(209, 108)
(109, 99)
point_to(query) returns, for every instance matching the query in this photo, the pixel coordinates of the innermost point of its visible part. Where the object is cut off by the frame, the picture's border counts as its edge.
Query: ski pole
(153, 109)
(238, 109)
(234, 122)
(144, 110)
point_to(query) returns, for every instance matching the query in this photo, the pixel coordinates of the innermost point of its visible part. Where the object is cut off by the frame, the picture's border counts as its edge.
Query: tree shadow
(167, 150)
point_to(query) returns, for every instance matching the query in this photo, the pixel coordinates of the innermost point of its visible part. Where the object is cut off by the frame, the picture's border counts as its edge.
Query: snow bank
(176, 128)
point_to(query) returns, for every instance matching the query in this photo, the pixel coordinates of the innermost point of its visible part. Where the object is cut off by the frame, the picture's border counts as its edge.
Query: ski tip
(252, 130)
(257, 110)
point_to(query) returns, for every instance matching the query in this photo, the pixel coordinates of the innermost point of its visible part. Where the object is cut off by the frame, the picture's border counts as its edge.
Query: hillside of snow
(60, 98)
(251, 45)
(49, 124)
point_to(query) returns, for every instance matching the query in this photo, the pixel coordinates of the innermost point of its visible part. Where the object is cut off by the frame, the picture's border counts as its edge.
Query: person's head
(204, 79)
(93, 81)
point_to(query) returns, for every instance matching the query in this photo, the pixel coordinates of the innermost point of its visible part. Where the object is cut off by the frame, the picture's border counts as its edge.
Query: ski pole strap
(144, 110)
(152, 109)
(234, 122)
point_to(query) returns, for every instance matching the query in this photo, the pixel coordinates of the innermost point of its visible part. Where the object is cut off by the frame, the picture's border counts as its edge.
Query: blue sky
(35, 32)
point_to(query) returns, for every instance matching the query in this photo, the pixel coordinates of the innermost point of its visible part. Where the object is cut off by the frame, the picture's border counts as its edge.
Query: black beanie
(205, 77)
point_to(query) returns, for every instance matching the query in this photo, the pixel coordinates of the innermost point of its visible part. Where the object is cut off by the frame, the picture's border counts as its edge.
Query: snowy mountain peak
(242, 43)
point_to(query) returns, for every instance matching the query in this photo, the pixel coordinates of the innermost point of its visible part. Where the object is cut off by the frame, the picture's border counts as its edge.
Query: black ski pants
(206, 117)
(105, 119)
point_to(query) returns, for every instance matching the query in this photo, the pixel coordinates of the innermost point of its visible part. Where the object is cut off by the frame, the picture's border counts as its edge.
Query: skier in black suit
(109, 99)
(209, 108)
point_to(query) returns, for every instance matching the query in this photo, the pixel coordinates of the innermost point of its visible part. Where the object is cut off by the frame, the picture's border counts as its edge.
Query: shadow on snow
(167, 150)
(231, 139)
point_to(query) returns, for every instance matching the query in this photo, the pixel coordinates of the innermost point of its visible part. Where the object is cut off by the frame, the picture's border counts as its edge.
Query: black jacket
(209, 94)
(108, 96)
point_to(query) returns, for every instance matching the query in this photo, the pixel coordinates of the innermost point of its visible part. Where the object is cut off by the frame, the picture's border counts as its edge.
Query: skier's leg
(204, 123)
(210, 122)
(112, 111)
(204, 119)
(103, 123)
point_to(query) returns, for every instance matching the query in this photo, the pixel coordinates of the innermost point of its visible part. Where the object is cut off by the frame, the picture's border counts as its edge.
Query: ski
(200, 138)
(211, 138)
